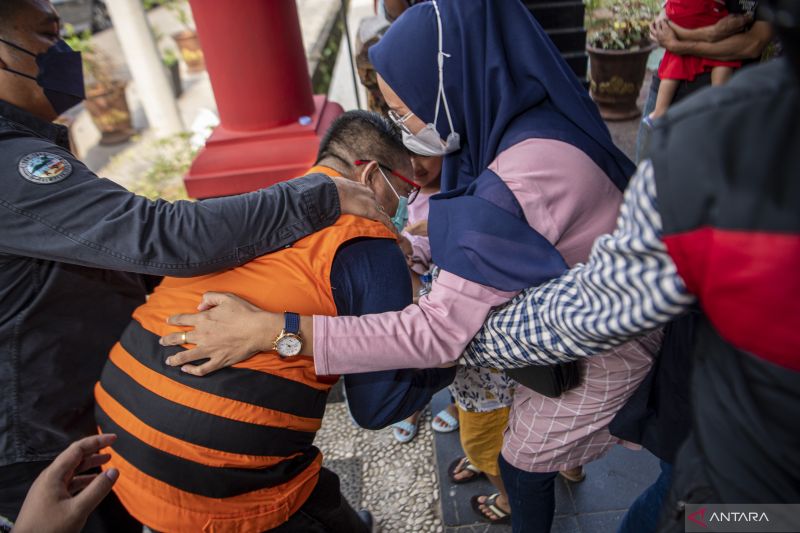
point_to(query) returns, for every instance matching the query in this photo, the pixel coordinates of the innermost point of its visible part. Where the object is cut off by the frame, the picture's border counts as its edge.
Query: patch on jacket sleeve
(44, 168)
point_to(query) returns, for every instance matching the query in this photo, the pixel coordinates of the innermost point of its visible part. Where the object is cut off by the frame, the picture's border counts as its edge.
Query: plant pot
(191, 51)
(616, 79)
(174, 75)
(108, 108)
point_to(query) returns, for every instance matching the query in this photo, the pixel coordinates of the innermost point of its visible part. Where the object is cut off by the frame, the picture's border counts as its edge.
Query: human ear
(368, 174)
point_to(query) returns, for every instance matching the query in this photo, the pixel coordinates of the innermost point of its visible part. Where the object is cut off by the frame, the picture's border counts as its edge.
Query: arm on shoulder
(85, 220)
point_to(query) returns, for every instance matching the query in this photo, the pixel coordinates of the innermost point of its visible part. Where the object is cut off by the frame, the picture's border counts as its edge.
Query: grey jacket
(78, 253)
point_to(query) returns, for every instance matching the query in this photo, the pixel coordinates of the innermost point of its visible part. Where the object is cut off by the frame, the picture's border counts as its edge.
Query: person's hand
(407, 249)
(359, 200)
(227, 330)
(729, 25)
(418, 228)
(60, 501)
(664, 35)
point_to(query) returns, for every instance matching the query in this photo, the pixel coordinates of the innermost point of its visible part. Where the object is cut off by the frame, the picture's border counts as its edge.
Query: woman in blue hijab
(481, 84)
(530, 179)
(471, 87)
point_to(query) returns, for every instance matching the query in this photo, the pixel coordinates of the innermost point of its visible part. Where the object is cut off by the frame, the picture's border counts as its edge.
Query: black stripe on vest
(249, 386)
(188, 476)
(198, 427)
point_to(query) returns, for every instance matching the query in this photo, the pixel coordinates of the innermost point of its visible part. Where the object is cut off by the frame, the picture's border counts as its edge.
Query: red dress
(692, 14)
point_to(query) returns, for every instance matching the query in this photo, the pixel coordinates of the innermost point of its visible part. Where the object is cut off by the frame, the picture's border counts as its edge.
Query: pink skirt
(551, 434)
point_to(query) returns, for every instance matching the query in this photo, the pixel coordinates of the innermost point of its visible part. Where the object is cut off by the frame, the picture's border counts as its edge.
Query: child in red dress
(676, 68)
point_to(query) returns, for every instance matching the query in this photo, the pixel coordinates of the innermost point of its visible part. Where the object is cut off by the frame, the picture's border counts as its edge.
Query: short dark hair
(365, 135)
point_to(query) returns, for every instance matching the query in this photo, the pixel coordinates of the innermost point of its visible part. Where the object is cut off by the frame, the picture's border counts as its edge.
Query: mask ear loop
(389, 182)
(440, 97)
(11, 70)
(18, 47)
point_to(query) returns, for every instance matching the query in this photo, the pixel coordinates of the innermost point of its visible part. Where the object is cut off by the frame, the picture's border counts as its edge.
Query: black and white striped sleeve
(629, 286)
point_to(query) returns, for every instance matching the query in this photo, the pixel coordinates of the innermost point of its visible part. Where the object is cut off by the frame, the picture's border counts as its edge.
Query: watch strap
(291, 323)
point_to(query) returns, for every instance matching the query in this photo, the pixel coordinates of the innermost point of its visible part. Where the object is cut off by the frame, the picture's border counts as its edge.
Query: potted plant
(618, 51)
(105, 94)
(186, 39)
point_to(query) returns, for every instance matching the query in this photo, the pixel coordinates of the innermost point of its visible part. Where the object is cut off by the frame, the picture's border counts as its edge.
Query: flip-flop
(410, 429)
(490, 502)
(450, 422)
(451, 471)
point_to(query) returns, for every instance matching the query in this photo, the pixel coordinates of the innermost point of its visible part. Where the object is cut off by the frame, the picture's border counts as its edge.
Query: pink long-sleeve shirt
(565, 196)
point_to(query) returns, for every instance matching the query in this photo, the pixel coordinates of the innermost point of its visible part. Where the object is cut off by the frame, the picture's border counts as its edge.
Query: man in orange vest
(234, 451)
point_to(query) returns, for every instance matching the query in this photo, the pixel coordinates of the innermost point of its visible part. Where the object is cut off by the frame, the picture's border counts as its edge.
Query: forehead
(37, 12)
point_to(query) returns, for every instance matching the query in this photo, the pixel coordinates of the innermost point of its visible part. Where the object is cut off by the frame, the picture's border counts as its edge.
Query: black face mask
(60, 75)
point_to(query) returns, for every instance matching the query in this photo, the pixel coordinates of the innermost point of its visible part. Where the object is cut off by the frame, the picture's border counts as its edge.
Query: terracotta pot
(191, 51)
(108, 108)
(616, 79)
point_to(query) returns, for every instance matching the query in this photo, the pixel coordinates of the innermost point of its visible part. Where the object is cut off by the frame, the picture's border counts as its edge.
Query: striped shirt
(630, 285)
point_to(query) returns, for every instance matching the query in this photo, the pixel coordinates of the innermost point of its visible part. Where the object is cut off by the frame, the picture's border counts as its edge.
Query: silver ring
(183, 337)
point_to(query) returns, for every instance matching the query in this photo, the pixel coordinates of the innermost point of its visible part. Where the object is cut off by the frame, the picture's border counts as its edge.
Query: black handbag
(549, 380)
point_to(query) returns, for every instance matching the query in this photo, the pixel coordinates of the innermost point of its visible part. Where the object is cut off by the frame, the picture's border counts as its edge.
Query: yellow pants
(482, 437)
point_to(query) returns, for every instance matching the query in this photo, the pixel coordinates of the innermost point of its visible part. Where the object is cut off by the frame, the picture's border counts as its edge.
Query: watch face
(289, 345)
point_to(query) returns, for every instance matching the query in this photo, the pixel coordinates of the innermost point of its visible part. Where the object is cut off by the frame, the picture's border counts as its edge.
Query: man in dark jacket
(79, 253)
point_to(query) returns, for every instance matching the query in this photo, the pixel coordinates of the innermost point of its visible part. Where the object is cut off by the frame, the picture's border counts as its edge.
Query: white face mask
(427, 142)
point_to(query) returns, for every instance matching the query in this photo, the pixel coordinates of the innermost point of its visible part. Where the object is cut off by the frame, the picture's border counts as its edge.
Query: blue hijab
(505, 82)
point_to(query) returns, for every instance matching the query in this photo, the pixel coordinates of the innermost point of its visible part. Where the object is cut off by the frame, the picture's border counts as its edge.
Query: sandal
(464, 464)
(444, 422)
(490, 503)
(410, 429)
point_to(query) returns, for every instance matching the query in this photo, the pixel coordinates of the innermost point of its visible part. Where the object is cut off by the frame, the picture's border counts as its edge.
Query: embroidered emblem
(44, 168)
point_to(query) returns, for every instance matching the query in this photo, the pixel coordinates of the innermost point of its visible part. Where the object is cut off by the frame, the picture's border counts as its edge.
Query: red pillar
(270, 123)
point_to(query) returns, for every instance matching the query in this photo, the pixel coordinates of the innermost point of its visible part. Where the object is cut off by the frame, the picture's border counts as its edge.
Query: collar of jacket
(54, 132)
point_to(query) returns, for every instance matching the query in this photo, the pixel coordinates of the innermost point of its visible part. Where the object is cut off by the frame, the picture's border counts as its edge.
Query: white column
(144, 62)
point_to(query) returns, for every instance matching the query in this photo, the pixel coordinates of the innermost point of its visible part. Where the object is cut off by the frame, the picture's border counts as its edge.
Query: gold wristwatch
(289, 343)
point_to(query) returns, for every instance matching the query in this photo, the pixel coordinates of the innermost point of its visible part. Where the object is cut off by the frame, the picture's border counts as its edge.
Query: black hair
(364, 135)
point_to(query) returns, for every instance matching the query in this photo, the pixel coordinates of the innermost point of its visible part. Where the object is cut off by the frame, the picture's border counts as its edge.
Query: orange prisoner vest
(232, 451)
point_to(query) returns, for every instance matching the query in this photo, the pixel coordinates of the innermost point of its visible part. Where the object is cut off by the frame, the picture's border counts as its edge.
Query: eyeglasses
(399, 121)
(413, 193)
